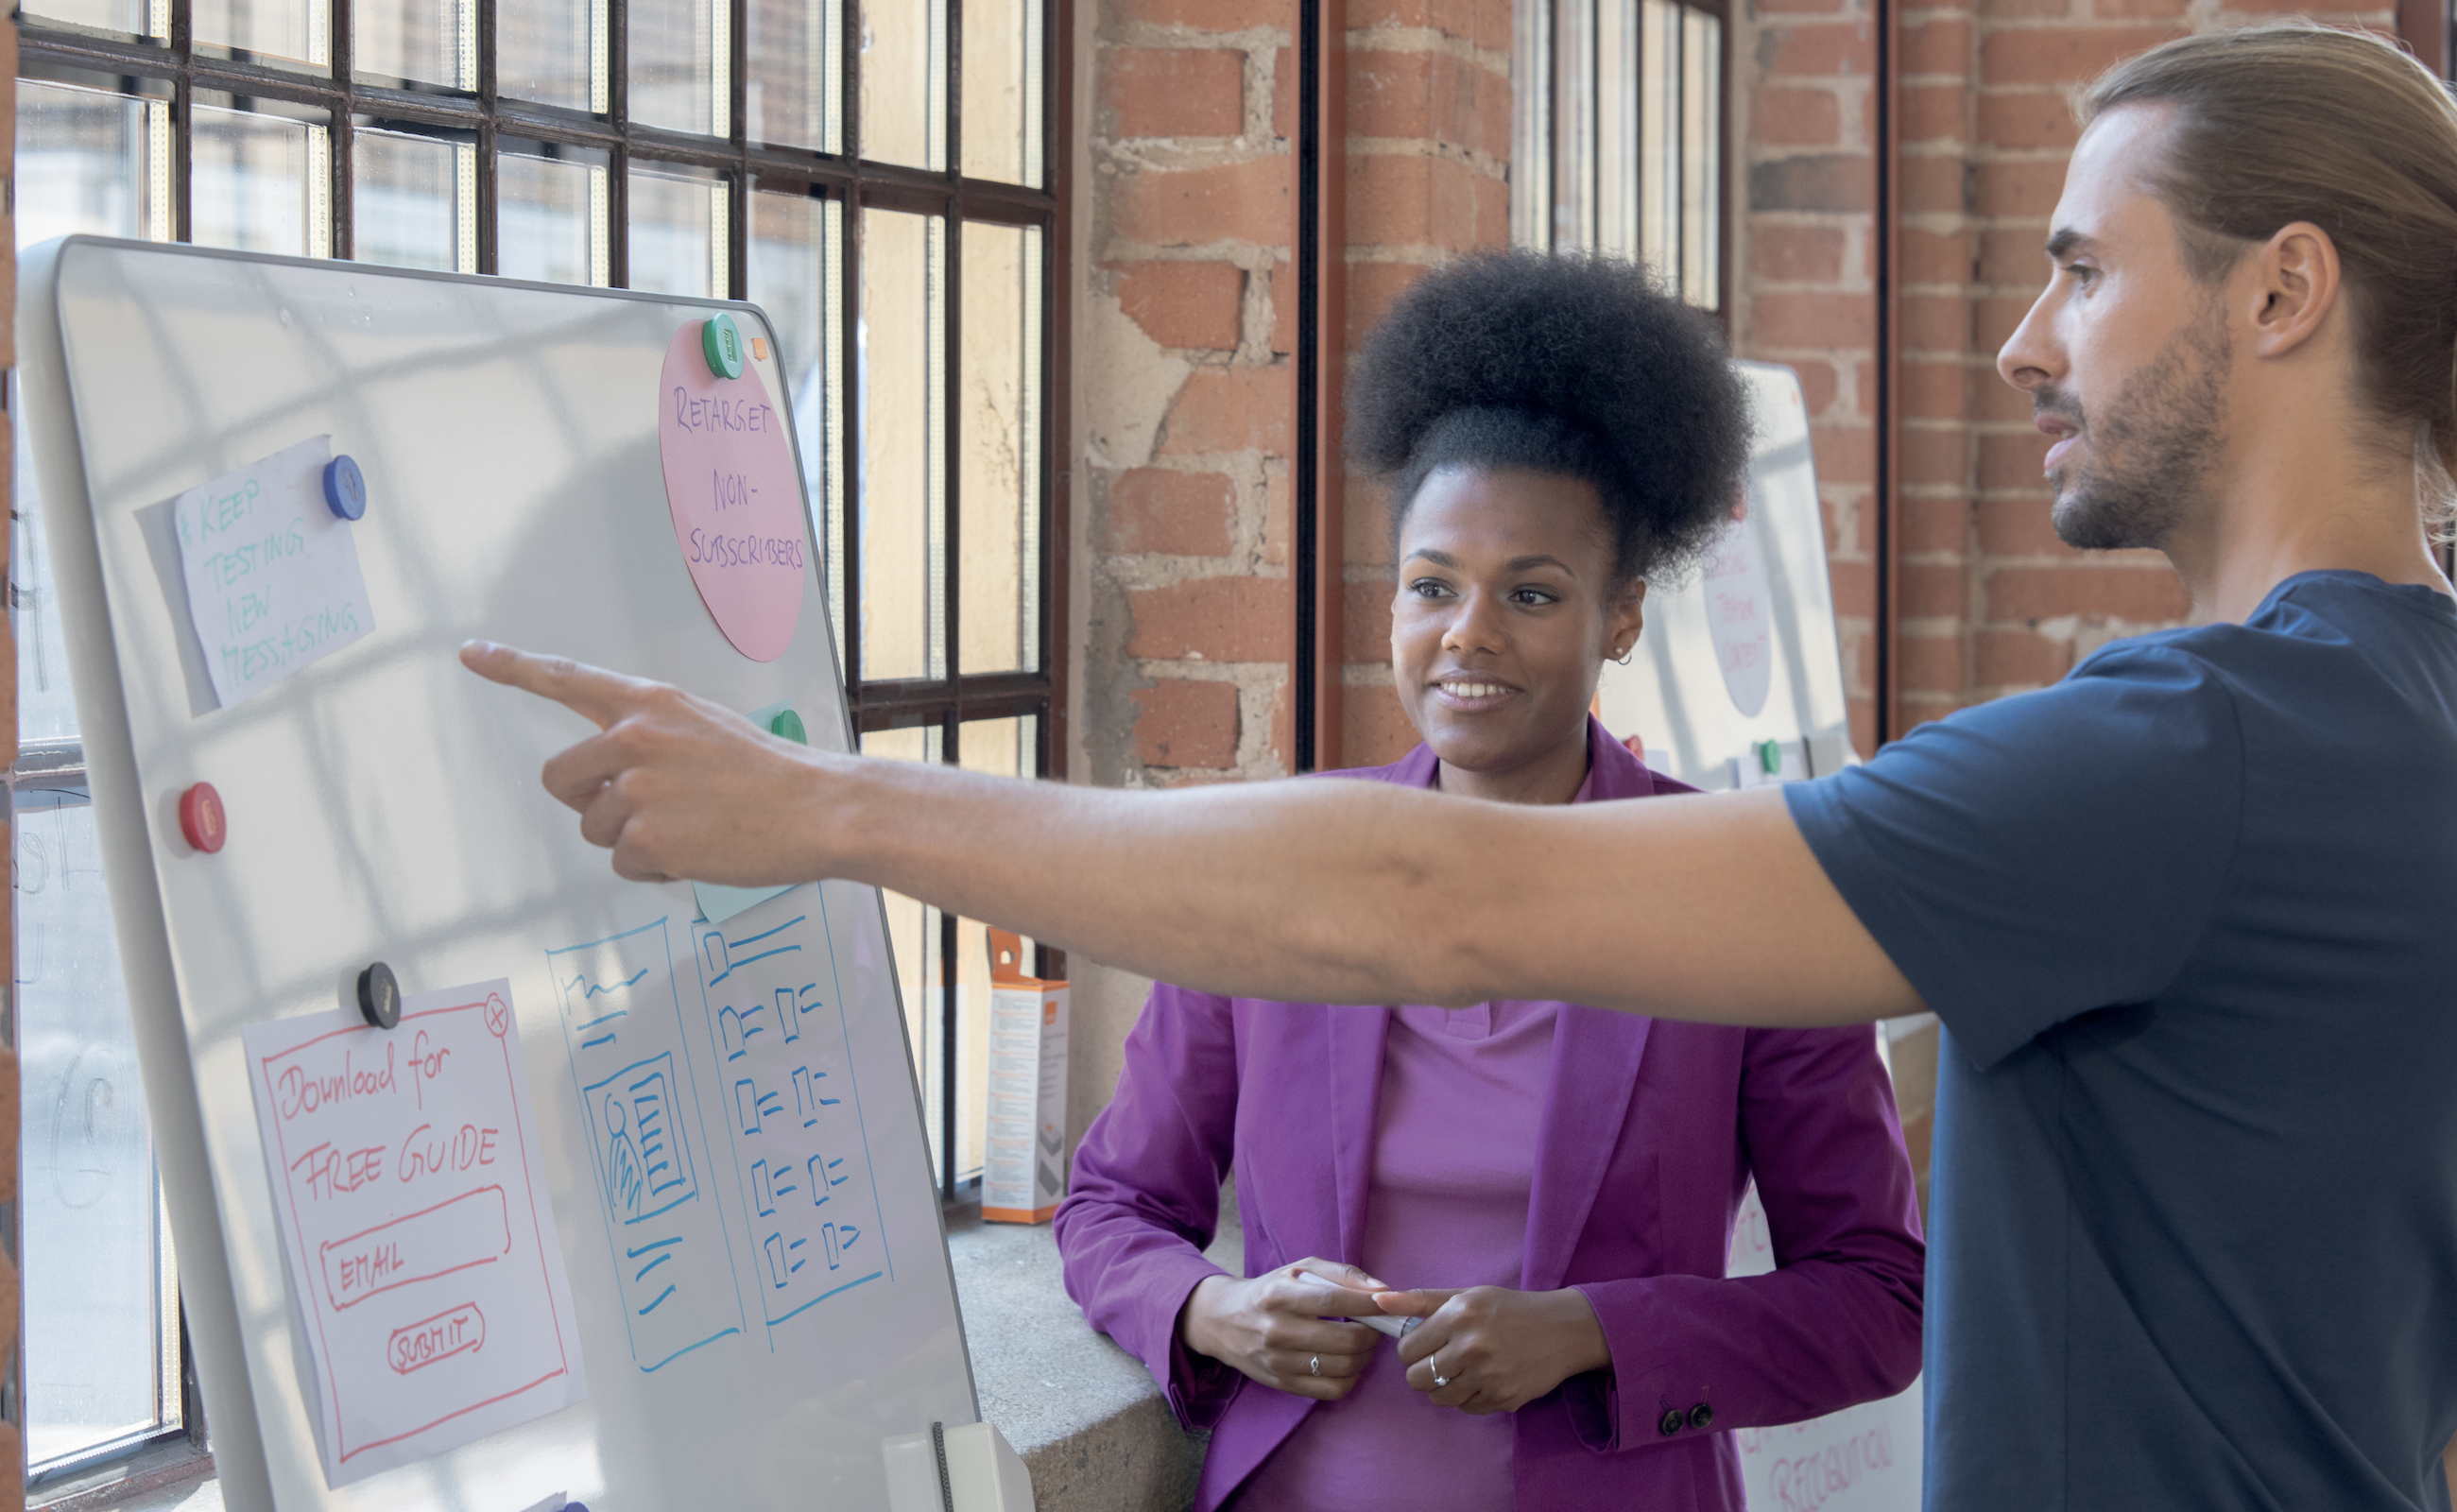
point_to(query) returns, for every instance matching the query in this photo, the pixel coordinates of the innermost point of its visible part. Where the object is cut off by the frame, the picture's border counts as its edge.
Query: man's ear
(2296, 283)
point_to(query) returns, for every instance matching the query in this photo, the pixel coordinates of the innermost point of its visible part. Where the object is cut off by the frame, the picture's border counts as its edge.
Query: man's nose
(2030, 360)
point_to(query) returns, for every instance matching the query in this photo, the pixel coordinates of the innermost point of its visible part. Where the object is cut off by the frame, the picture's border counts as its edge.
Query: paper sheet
(417, 1232)
(272, 571)
(735, 498)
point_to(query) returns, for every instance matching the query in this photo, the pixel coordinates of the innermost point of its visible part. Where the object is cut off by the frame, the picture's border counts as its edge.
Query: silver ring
(1313, 1366)
(1435, 1359)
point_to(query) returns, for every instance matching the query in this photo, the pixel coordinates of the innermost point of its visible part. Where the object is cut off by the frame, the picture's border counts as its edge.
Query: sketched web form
(639, 1112)
(766, 1017)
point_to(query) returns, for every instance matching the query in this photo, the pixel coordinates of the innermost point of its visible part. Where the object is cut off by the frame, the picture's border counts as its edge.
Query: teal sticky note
(718, 903)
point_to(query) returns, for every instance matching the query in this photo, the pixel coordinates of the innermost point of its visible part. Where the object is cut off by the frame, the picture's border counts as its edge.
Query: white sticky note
(272, 571)
(426, 1283)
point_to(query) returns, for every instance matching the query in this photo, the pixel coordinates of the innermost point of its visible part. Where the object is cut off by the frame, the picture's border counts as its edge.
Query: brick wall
(1189, 324)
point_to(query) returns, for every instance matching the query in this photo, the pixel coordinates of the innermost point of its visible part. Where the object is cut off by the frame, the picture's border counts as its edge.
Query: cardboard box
(1023, 1167)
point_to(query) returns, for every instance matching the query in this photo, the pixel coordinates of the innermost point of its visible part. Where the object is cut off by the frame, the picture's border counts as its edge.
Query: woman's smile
(1464, 694)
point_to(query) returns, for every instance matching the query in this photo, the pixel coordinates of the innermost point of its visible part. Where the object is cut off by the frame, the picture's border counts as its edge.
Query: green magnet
(722, 340)
(1770, 757)
(787, 725)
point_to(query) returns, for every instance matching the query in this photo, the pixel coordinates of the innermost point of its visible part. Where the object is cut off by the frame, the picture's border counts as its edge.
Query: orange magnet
(202, 818)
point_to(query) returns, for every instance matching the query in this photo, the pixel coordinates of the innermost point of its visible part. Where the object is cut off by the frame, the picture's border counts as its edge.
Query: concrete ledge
(1085, 1416)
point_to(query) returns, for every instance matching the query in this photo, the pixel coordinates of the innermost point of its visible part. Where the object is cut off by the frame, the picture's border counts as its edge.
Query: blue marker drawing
(632, 1070)
(782, 1148)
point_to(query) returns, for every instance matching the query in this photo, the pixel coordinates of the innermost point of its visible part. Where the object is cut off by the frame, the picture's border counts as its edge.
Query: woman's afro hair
(1565, 364)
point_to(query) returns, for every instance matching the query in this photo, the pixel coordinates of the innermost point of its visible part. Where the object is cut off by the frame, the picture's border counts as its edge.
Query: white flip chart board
(734, 1165)
(1738, 683)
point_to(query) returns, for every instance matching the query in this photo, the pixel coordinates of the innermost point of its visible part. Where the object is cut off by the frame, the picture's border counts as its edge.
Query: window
(875, 173)
(1617, 135)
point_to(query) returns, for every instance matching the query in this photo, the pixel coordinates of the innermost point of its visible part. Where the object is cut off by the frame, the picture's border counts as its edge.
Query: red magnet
(202, 819)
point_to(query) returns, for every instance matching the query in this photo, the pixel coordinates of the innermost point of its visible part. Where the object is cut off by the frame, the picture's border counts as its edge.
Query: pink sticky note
(736, 503)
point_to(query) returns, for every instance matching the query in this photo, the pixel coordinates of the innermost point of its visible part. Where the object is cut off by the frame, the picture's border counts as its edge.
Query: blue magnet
(345, 487)
(721, 339)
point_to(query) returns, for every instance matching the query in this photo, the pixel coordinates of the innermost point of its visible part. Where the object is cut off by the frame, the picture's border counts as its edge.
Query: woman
(1556, 1185)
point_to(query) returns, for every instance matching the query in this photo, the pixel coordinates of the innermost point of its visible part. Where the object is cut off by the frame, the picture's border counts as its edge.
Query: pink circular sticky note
(736, 502)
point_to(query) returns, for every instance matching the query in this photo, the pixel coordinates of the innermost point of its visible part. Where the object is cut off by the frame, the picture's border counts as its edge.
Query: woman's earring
(1623, 660)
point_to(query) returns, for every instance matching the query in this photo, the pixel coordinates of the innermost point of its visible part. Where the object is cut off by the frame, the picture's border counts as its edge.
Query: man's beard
(2154, 449)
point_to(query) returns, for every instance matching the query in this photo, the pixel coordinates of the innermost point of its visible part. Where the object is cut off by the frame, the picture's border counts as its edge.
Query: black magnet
(380, 996)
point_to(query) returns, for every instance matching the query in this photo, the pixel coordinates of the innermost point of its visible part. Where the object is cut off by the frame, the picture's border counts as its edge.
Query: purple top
(1647, 1134)
(1453, 1155)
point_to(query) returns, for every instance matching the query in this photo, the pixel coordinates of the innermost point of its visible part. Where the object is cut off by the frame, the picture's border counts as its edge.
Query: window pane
(260, 183)
(789, 92)
(144, 18)
(902, 517)
(912, 938)
(1701, 157)
(1000, 426)
(904, 82)
(416, 201)
(790, 278)
(1002, 89)
(289, 29)
(678, 50)
(94, 1343)
(1659, 95)
(1574, 125)
(91, 161)
(1617, 107)
(433, 41)
(552, 51)
(678, 226)
(550, 219)
(1001, 748)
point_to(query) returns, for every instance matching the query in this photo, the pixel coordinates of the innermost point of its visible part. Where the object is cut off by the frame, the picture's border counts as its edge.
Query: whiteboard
(1744, 652)
(383, 804)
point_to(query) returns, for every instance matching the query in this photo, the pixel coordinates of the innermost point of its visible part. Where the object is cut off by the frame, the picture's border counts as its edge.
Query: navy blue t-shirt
(2190, 920)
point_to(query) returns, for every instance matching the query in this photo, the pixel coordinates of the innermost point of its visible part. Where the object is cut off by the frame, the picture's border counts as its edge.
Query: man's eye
(2082, 274)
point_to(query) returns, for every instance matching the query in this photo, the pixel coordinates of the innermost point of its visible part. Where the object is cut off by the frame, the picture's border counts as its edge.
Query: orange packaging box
(1023, 1167)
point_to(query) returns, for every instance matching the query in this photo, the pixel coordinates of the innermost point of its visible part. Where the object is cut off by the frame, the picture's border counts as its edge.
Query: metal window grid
(949, 702)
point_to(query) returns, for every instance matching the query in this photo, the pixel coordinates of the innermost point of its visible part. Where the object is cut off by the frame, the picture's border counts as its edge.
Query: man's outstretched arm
(1709, 908)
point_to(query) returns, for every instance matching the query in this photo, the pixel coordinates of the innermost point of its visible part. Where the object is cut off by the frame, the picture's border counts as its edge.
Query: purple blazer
(1651, 1130)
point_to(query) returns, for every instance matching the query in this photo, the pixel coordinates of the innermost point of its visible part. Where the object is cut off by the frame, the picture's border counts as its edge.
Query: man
(2195, 1180)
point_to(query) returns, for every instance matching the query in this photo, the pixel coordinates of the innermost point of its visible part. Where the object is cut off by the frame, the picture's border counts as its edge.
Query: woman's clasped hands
(1481, 1349)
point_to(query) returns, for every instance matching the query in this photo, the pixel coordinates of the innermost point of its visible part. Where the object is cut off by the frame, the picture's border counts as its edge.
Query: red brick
(2019, 119)
(1819, 49)
(2061, 54)
(1279, 498)
(1451, 18)
(1934, 322)
(1187, 724)
(2135, 596)
(1829, 182)
(1931, 591)
(1245, 201)
(1173, 92)
(1797, 254)
(2012, 461)
(1936, 47)
(1781, 118)
(1994, 400)
(1935, 457)
(1819, 386)
(1855, 588)
(1284, 92)
(1864, 728)
(1171, 513)
(1931, 664)
(1845, 453)
(1374, 726)
(2144, 9)
(1365, 522)
(1373, 288)
(1936, 389)
(1430, 95)
(1208, 15)
(1933, 185)
(1411, 201)
(1774, 7)
(2019, 528)
(1813, 321)
(2018, 658)
(2015, 257)
(1933, 256)
(2019, 188)
(1365, 621)
(1185, 304)
(1935, 112)
(1931, 524)
(1232, 409)
(1284, 306)
(1212, 618)
(1491, 213)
